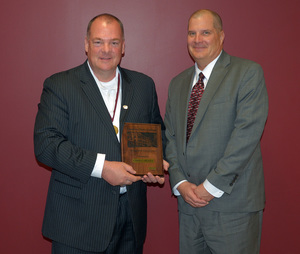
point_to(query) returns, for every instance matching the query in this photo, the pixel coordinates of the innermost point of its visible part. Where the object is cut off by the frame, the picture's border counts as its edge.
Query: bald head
(218, 24)
(106, 17)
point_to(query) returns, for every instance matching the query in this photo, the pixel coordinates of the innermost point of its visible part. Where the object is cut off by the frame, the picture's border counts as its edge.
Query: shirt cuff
(217, 193)
(175, 191)
(98, 168)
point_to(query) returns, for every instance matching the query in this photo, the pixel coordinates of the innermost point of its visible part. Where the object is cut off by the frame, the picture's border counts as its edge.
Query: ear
(123, 47)
(86, 44)
(222, 37)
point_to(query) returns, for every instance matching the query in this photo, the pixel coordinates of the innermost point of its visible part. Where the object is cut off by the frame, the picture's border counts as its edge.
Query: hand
(202, 193)
(119, 173)
(187, 191)
(150, 178)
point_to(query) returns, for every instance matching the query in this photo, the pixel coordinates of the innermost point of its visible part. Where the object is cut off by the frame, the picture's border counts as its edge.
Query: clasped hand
(196, 196)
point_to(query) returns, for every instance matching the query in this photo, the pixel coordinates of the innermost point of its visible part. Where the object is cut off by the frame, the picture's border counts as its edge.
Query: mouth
(199, 48)
(105, 58)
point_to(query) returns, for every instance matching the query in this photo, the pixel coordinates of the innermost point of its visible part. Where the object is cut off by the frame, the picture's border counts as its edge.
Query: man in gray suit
(95, 203)
(215, 163)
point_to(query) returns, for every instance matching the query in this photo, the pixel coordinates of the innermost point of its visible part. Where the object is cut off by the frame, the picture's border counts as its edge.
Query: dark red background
(39, 38)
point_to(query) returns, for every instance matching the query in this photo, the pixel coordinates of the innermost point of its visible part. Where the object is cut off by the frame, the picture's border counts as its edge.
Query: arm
(176, 174)
(51, 144)
(249, 122)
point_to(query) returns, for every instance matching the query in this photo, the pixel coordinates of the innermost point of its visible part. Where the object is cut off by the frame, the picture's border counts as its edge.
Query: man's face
(104, 47)
(204, 41)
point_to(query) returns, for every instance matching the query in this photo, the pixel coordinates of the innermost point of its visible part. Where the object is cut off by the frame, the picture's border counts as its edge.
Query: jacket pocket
(66, 186)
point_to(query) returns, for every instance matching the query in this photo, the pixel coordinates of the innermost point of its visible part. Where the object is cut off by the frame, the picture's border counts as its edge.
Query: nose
(198, 37)
(106, 47)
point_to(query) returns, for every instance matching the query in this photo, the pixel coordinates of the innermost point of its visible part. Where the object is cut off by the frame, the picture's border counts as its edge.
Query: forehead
(106, 27)
(203, 21)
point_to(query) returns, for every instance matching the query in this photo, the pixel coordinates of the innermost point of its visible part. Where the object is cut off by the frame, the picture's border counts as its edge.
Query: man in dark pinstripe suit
(95, 203)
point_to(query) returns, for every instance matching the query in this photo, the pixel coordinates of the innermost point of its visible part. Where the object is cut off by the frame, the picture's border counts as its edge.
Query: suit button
(231, 184)
(188, 174)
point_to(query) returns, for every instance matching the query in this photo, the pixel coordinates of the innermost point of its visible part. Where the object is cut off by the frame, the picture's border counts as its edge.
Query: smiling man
(215, 116)
(95, 203)
(104, 45)
(205, 38)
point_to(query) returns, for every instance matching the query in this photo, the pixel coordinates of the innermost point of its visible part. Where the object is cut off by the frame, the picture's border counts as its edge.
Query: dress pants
(209, 232)
(123, 239)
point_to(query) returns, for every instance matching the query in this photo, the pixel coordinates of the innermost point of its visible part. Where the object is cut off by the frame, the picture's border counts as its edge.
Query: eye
(97, 43)
(191, 33)
(206, 32)
(115, 43)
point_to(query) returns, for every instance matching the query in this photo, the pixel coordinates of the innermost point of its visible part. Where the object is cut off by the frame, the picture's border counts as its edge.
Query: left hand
(202, 193)
(150, 178)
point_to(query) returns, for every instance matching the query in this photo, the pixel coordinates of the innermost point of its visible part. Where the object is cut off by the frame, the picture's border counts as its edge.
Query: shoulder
(184, 74)
(132, 76)
(239, 63)
(68, 77)
(182, 79)
(73, 73)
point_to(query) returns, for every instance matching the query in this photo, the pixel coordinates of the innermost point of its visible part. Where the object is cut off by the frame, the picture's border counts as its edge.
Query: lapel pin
(125, 107)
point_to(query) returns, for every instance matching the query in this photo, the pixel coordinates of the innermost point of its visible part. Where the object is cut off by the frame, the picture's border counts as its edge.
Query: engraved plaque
(142, 148)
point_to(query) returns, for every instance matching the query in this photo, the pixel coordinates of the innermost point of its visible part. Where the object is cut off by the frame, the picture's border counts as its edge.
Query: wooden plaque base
(142, 148)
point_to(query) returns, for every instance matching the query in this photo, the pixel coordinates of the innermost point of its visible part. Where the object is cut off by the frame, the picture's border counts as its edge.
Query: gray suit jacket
(72, 126)
(224, 145)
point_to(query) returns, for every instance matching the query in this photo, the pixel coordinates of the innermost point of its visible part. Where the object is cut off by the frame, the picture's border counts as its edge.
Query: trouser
(209, 232)
(123, 239)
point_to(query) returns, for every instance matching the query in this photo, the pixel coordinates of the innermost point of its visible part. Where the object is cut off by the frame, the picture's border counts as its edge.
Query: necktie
(195, 98)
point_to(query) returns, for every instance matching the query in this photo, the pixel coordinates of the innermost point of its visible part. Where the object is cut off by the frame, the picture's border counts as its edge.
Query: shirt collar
(208, 69)
(106, 85)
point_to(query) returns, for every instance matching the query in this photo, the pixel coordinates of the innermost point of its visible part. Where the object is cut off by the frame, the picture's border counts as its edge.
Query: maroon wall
(39, 38)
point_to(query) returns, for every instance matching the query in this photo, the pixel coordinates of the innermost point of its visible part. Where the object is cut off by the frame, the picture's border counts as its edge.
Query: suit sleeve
(156, 116)
(176, 174)
(244, 142)
(51, 144)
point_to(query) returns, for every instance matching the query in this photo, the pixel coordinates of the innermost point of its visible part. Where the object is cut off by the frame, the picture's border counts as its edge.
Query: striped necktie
(195, 98)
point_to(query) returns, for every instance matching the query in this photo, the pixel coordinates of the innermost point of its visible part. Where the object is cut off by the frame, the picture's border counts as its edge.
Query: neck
(105, 76)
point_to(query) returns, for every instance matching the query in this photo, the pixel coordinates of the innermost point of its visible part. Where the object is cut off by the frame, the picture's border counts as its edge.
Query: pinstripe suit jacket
(72, 126)
(224, 146)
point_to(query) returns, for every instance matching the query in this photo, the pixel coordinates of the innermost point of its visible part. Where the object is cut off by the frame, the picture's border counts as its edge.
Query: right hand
(187, 191)
(119, 173)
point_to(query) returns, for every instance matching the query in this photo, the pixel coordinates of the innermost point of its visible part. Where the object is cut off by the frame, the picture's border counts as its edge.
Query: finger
(151, 178)
(160, 180)
(166, 165)
(194, 203)
(129, 169)
(133, 178)
(146, 179)
(130, 181)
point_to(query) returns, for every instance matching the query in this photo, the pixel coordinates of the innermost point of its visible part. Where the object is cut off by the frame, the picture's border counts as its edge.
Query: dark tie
(195, 98)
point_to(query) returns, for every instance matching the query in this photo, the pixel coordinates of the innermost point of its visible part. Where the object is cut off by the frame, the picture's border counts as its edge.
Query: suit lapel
(127, 93)
(91, 90)
(215, 80)
(184, 94)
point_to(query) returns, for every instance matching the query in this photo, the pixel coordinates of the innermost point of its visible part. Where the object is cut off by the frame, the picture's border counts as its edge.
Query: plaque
(142, 148)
